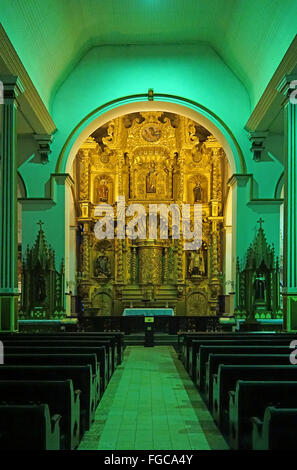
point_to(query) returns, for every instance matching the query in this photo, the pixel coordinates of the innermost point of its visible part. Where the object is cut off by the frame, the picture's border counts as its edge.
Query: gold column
(133, 265)
(119, 171)
(84, 183)
(180, 261)
(166, 265)
(120, 261)
(182, 176)
(215, 219)
(84, 281)
(150, 262)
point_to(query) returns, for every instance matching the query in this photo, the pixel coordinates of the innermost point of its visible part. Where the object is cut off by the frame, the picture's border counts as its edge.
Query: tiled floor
(152, 404)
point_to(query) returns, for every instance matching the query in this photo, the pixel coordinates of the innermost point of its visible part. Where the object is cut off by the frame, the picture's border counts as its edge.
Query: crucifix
(40, 223)
(260, 221)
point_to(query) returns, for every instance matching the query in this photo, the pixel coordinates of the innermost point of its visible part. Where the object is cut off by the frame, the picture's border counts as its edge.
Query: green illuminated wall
(52, 36)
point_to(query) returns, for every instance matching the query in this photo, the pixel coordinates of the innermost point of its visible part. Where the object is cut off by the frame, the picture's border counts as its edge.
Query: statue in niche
(102, 266)
(40, 292)
(103, 191)
(259, 287)
(151, 178)
(197, 190)
(197, 265)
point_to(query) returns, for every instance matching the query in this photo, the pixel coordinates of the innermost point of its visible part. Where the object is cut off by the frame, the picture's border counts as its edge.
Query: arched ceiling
(51, 36)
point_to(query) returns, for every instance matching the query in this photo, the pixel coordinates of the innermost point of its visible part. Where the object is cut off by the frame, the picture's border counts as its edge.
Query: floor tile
(152, 404)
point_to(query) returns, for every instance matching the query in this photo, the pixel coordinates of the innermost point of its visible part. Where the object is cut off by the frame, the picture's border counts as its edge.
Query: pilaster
(290, 204)
(8, 207)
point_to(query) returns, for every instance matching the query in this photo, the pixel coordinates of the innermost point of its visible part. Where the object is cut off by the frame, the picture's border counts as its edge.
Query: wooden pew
(186, 337)
(196, 344)
(205, 351)
(100, 353)
(277, 431)
(70, 343)
(35, 359)
(227, 376)
(251, 399)
(60, 397)
(118, 338)
(81, 377)
(190, 337)
(118, 335)
(214, 360)
(28, 427)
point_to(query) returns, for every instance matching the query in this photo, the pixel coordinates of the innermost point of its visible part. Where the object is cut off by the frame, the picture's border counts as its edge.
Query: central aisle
(152, 404)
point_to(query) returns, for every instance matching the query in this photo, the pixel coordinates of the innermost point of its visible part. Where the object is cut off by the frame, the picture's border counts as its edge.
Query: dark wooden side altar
(43, 292)
(258, 282)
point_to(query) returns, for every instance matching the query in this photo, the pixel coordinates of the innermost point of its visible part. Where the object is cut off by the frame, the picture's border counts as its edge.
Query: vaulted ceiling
(51, 36)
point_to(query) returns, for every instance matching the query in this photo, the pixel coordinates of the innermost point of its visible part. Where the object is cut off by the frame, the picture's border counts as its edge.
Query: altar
(151, 158)
(148, 312)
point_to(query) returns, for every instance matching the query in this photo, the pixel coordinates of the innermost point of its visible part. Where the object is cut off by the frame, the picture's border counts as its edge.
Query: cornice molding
(61, 179)
(239, 179)
(243, 180)
(12, 85)
(286, 67)
(283, 85)
(15, 67)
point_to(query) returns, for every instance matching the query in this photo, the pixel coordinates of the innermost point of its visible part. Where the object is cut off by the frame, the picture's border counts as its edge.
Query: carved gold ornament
(151, 133)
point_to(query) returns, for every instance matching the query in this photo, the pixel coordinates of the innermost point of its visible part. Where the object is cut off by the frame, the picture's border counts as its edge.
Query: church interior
(148, 226)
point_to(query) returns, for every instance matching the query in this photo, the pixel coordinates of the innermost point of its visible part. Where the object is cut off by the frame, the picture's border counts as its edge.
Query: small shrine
(258, 283)
(42, 285)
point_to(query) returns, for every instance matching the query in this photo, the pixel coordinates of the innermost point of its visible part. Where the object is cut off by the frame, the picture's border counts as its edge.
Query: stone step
(159, 339)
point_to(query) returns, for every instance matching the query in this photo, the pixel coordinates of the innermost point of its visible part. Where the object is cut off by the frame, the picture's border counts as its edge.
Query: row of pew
(248, 384)
(51, 385)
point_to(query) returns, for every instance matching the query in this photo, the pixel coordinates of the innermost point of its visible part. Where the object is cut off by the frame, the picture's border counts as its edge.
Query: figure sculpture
(103, 191)
(197, 193)
(197, 265)
(102, 266)
(259, 287)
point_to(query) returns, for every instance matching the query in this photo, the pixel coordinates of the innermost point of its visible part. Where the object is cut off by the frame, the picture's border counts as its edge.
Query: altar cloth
(148, 312)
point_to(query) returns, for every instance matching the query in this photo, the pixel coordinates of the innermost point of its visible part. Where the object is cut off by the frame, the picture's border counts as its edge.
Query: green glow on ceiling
(51, 36)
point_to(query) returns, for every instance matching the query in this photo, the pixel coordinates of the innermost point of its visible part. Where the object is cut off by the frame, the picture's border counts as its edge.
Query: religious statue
(197, 192)
(197, 265)
(151, 182)
(259, 287)
(102, 266)
(103, 191)
(40, 286)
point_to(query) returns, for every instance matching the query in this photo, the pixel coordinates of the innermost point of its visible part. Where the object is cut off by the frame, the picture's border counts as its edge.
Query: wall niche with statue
(103, 189)
(197, 189)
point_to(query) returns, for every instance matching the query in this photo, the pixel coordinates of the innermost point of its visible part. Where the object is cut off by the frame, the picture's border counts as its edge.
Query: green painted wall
(53, 216)
(52, 36)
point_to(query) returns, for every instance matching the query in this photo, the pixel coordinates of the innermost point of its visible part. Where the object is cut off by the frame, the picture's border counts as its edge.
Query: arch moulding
(137, 103)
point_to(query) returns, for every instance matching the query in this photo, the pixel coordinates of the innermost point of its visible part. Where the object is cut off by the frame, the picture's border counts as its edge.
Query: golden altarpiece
(151, 157)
